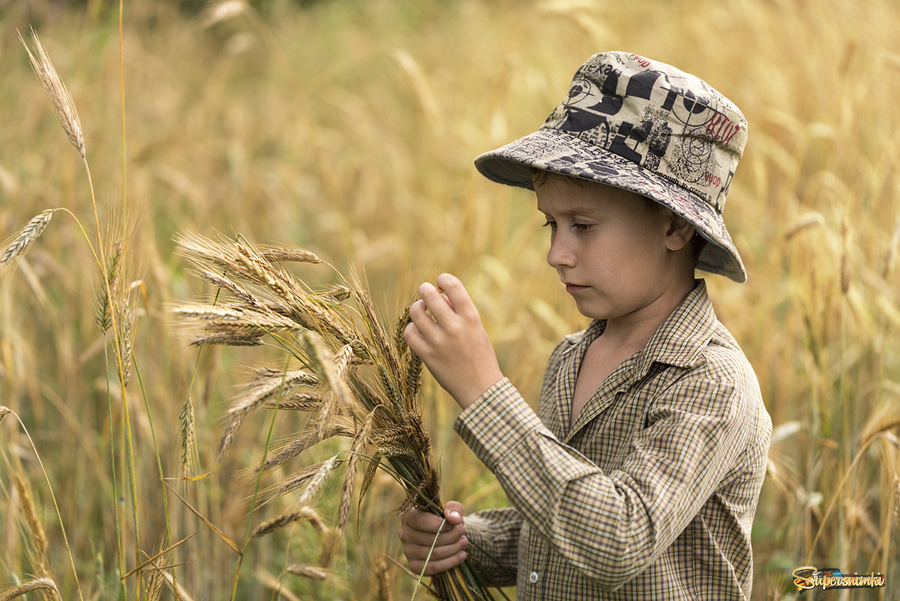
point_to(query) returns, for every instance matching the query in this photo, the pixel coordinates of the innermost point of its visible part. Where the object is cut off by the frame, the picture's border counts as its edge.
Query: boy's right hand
(418, 533)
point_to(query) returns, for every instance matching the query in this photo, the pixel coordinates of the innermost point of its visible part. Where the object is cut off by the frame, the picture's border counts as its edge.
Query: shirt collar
(684, 334)
(681, 337)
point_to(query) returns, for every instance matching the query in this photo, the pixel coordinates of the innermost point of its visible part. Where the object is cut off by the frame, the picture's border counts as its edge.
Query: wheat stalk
(357, 379)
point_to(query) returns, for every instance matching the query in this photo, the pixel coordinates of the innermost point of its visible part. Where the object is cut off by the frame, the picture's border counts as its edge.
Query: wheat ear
(26, 237)
(30, 586)
(56, 91)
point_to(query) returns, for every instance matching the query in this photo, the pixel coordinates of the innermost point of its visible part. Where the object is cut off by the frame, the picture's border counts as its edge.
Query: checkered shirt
(650, 495)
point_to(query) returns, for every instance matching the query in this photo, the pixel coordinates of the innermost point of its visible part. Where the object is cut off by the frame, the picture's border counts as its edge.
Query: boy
(639, 473)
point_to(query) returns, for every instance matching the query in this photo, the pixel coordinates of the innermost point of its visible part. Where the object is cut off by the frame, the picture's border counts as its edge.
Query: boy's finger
(438, 552)
(436, 567)
(426, 538)
(425, 521)
(421, 320)
(436, 303)
(453, 511)
(457, 295)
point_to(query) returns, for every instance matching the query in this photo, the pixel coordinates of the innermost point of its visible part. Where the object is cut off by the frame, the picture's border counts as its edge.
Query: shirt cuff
(496, 422)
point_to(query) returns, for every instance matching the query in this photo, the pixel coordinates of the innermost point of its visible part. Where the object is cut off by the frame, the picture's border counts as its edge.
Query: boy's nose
(559, 254)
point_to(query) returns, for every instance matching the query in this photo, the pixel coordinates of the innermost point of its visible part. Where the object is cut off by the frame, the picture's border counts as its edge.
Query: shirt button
(533, 577)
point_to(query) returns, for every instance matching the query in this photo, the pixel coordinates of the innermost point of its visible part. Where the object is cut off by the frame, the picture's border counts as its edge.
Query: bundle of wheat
(356, 378)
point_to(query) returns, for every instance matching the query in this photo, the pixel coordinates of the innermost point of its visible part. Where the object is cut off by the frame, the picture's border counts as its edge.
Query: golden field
(349, 128)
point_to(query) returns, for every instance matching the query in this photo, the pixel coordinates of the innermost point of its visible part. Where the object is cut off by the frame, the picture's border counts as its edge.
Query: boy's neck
(631, 333)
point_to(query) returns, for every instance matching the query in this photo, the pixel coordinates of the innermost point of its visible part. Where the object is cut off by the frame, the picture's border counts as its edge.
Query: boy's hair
(697, 242)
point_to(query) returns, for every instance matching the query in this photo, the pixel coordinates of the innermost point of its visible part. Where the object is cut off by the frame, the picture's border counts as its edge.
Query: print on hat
(646, 127)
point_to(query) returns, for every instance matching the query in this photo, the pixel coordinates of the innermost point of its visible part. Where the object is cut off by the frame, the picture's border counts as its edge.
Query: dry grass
(356, 142)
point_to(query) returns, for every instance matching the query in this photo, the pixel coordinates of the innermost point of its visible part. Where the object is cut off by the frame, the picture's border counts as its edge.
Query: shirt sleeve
(610, 527)
(494, 544)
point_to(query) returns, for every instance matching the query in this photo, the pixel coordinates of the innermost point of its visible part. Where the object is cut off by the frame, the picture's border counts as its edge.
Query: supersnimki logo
(809, 577)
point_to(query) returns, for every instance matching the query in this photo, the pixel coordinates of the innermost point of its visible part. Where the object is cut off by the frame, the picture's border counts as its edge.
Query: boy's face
(609, 248)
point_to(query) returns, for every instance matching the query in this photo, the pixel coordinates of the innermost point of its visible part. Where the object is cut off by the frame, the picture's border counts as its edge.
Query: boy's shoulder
(691, 339)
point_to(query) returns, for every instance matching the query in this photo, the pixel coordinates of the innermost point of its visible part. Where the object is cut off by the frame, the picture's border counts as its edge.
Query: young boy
(639, 473)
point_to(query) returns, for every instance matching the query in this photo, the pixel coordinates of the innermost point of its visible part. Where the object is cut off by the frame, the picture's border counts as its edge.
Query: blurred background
(349, 128)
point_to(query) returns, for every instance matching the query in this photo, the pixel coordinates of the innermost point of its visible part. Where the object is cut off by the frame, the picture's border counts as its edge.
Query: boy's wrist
(475, 390)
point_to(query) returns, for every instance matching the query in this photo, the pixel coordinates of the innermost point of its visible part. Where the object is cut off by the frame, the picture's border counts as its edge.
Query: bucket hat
(646, 127)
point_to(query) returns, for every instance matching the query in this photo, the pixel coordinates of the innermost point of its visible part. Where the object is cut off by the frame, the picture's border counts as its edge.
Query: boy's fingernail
(462, 555)
(454, 514)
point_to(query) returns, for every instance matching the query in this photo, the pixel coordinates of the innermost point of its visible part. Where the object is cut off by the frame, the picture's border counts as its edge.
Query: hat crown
(659, 117)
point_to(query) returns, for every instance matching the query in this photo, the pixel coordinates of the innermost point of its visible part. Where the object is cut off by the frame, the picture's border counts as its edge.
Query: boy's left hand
(447, 334)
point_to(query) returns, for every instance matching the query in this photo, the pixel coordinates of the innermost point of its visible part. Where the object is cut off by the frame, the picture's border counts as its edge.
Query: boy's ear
(679, 234)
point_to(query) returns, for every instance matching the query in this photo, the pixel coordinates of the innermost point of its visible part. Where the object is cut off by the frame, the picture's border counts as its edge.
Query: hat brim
(559, 152)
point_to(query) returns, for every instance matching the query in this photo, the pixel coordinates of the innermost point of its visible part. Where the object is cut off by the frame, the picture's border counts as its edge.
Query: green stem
(115, 482)
(137, 372)
(246, 541)
(62, 526)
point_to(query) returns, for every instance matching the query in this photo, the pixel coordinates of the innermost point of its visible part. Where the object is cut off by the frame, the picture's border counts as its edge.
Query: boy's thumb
(453, 511)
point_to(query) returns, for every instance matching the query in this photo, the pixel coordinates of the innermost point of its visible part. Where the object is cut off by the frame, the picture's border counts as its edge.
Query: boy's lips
(572, 288)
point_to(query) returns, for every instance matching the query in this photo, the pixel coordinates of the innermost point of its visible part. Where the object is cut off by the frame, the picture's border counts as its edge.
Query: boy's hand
(418, 533)
(447, 334)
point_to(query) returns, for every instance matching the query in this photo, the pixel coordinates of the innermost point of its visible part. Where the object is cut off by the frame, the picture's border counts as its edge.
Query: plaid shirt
(651, 494)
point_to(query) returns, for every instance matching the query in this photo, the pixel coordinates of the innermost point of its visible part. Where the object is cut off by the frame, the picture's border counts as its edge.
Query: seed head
(56, 91)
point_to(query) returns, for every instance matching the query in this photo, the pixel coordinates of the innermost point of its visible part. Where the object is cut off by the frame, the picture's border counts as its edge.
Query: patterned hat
(648, 128)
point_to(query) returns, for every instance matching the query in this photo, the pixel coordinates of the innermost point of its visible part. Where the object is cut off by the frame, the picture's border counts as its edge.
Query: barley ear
(23, 241)
(186, 422)
(304, 514)
(26, 502)
(385, 580)
(311, 572)
(57, 92)
(155, 574)
(897, 503)
(846, 269)
(38, 584)
(103, 315)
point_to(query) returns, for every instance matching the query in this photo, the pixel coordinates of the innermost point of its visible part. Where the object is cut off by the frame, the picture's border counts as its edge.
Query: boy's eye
(550, 224)
(581, 226)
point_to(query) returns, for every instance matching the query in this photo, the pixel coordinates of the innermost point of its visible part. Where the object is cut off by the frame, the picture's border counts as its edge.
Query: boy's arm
(612, 526)
(609, 526)
(494, 544)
